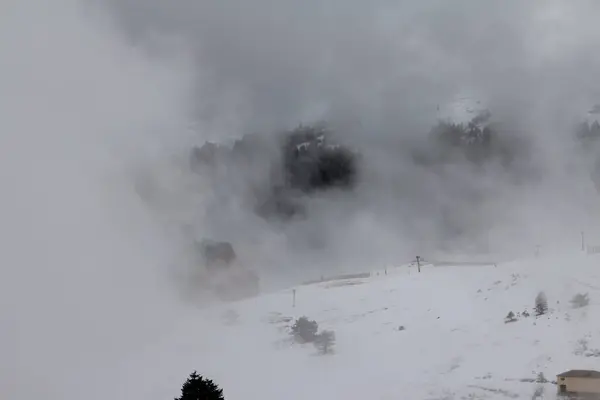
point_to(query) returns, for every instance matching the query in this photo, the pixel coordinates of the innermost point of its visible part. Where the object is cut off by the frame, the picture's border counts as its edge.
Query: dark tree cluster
(278, 171)
(588, 132)
(312, 163)
(478, 141)
(281, 169)
(306, 331)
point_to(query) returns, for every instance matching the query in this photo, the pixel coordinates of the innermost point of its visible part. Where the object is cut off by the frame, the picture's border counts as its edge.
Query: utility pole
(419, 263)
(293, 297)
(582, 241)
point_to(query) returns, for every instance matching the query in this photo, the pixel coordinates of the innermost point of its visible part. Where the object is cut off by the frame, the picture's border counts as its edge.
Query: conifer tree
(541, 304)
(305, 330)
(325, 341)
(197, 387)
(510, 317)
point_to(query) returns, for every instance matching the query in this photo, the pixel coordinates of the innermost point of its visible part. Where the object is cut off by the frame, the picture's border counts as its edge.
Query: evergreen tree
(541, 378)
(197, 387)
(541, 304)
(324, 341)
(305, 330)
(510, 317)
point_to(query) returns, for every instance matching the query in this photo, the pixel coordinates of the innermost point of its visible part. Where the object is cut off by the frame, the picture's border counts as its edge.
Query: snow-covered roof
(580, 373)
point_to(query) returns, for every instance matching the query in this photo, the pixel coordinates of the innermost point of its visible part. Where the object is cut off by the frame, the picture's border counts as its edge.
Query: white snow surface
(455, 344)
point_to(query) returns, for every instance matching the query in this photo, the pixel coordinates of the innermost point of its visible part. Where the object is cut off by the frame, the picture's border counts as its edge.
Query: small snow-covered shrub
(580, 300)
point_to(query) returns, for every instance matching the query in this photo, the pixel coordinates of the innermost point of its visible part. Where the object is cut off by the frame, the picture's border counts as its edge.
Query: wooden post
(419, 263)
(293, 297)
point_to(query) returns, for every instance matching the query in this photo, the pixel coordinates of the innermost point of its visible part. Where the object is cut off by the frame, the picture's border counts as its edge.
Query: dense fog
(104, 102)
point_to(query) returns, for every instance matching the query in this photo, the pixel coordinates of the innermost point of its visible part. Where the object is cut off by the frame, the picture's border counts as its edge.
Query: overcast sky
(282, 62)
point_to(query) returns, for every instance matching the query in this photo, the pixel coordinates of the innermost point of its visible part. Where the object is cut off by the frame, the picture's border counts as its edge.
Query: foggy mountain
(105, 101)
(379, 75)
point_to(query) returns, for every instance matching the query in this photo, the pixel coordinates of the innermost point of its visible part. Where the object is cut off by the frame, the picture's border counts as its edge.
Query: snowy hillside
(455, 344)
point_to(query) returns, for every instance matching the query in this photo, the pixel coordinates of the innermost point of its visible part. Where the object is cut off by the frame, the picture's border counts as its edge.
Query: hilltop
(438, 334)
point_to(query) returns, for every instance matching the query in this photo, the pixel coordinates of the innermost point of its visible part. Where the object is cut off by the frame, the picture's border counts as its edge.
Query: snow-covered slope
(455, 344)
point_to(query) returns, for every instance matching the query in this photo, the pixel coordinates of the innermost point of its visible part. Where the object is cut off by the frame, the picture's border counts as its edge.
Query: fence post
(293, 297)
(419, 263)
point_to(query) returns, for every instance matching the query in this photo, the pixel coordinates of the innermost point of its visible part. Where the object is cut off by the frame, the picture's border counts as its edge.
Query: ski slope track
(455, 343)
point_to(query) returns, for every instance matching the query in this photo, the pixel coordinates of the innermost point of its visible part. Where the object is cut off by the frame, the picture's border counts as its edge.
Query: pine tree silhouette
(197, 387)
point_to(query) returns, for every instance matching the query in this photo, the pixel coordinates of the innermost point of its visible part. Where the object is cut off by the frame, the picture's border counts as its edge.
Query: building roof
(580, 373)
